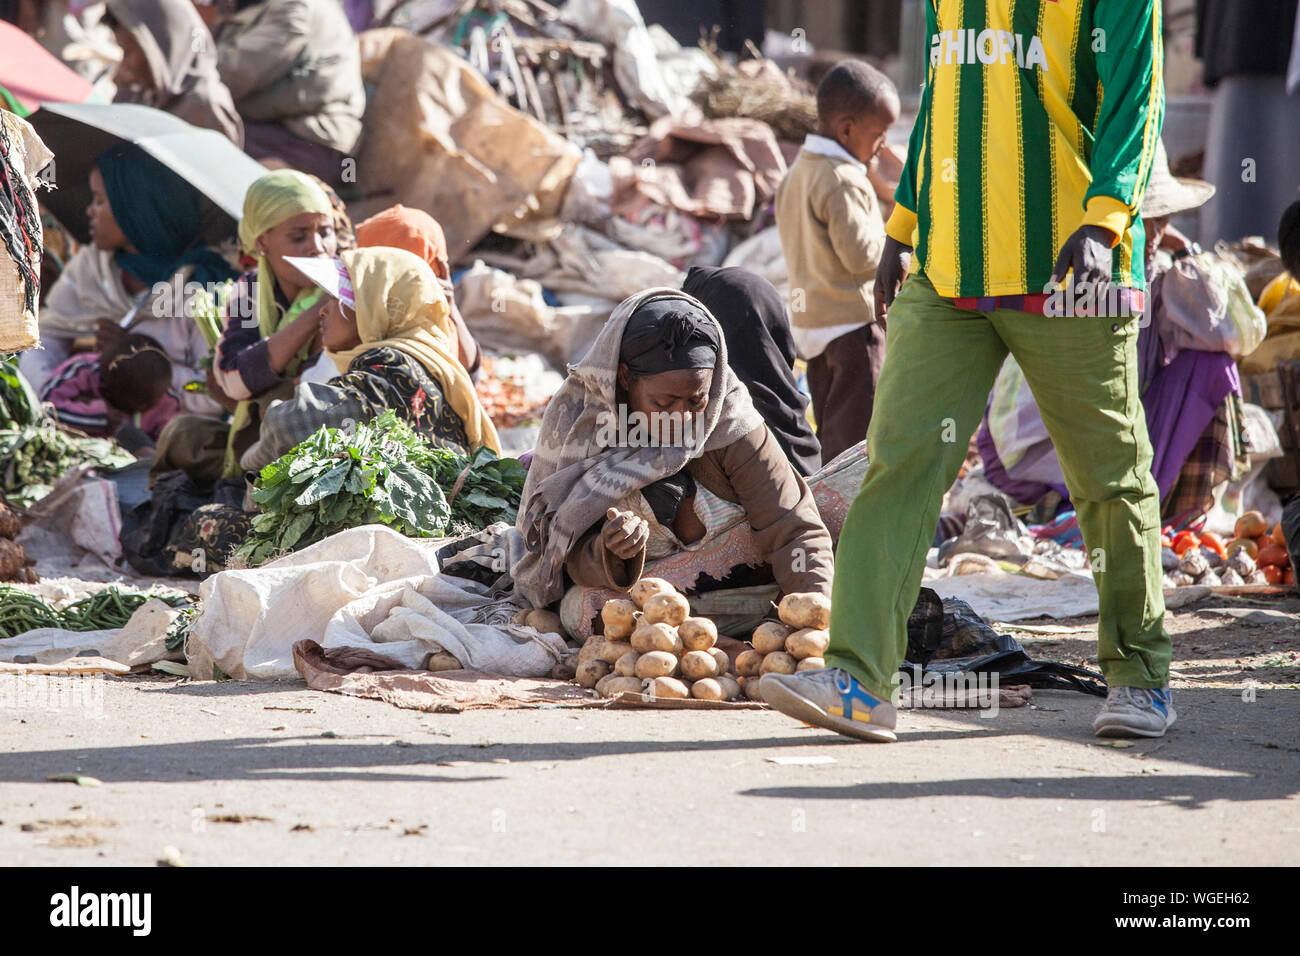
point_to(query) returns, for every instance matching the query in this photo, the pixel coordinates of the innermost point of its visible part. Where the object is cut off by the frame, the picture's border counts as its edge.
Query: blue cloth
(161, 215)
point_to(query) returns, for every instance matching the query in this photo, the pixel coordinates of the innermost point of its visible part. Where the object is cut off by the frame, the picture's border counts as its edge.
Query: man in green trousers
(1017, 229)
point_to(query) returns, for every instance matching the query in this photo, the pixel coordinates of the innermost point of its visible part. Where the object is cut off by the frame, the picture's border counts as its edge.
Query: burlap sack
(27, 157)
(439, 138)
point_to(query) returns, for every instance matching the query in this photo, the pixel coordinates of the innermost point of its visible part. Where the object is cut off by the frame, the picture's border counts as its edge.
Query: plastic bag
(1207, 307)
(991, 529)
(946, 636)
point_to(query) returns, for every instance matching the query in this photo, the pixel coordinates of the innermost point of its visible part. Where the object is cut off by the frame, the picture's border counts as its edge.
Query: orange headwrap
(411, 229)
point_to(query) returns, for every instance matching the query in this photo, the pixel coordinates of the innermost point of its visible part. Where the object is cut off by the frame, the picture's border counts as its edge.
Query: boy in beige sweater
(832, 234)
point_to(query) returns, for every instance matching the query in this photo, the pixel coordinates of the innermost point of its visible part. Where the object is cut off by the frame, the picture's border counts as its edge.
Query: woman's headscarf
(757, 329)
(161, 215)
(411, 229)
(665, 335)
(574, 478)
(400, 305)
(271, 200)
(182, 58)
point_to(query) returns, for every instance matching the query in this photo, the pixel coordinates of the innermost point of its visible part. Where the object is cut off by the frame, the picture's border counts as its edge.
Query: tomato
(1272, 555)
(1272, 574)
(1212, 542)
(1184, 541)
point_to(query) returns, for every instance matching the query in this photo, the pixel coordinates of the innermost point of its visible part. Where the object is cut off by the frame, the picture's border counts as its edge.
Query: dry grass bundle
(757, 89)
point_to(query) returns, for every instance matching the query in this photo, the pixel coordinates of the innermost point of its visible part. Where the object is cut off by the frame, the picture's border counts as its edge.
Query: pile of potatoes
(795, 643)
(652, 645)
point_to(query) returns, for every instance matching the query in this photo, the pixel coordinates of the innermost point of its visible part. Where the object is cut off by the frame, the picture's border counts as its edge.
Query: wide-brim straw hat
(1168, 194)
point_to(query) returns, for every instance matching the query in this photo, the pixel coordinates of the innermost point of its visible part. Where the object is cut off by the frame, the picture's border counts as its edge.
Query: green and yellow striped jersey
(1037, 117)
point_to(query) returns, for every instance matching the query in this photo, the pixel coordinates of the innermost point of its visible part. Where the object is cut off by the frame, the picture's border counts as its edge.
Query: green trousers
(940, 365)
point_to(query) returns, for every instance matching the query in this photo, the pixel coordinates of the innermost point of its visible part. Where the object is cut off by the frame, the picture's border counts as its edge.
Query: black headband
(664, 335)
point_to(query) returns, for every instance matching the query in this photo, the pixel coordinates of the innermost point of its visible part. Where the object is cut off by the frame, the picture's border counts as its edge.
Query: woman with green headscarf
(271, 322)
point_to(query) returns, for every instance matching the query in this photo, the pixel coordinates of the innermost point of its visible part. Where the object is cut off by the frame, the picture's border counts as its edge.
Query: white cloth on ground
(365, 587)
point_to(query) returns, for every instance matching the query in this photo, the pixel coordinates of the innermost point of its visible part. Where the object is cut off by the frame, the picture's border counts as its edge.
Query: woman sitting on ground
(387, 327)
(272, 319)
(294, 70)
(169, 62)
(146, 241)
(704, 497)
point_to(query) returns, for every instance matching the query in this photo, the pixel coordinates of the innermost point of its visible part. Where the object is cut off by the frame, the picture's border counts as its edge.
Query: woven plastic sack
(1209, 308)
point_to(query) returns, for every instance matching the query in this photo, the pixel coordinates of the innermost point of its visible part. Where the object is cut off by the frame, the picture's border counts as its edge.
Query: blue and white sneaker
(1136, 712)
(831, 698)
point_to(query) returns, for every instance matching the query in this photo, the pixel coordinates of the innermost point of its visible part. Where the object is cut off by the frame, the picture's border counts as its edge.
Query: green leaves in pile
(382, 473)
(35, 451)
(19, 405)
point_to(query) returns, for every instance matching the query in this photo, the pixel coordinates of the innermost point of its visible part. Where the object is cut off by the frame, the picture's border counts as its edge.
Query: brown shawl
(573, 479)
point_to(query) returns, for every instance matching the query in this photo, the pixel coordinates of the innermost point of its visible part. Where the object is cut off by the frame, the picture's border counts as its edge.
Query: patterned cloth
(213, 530)
(377, 380)
(73, 390)
(1219, 456)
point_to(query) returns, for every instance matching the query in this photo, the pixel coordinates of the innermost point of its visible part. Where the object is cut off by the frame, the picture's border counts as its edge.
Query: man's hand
(1088, 252)
(1175, 241)
(890, 273)
(624, 534)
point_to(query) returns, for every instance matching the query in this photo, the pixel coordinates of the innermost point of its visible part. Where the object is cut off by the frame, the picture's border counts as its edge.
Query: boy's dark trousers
(842, 383)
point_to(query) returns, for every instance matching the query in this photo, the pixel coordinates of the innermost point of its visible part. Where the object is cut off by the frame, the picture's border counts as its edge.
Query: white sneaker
(1136, 712)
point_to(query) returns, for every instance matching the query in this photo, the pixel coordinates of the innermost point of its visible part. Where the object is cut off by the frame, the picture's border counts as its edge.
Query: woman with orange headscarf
(414, 230)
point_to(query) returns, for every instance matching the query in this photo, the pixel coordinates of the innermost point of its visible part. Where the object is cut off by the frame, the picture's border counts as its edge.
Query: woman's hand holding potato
(624, 534)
